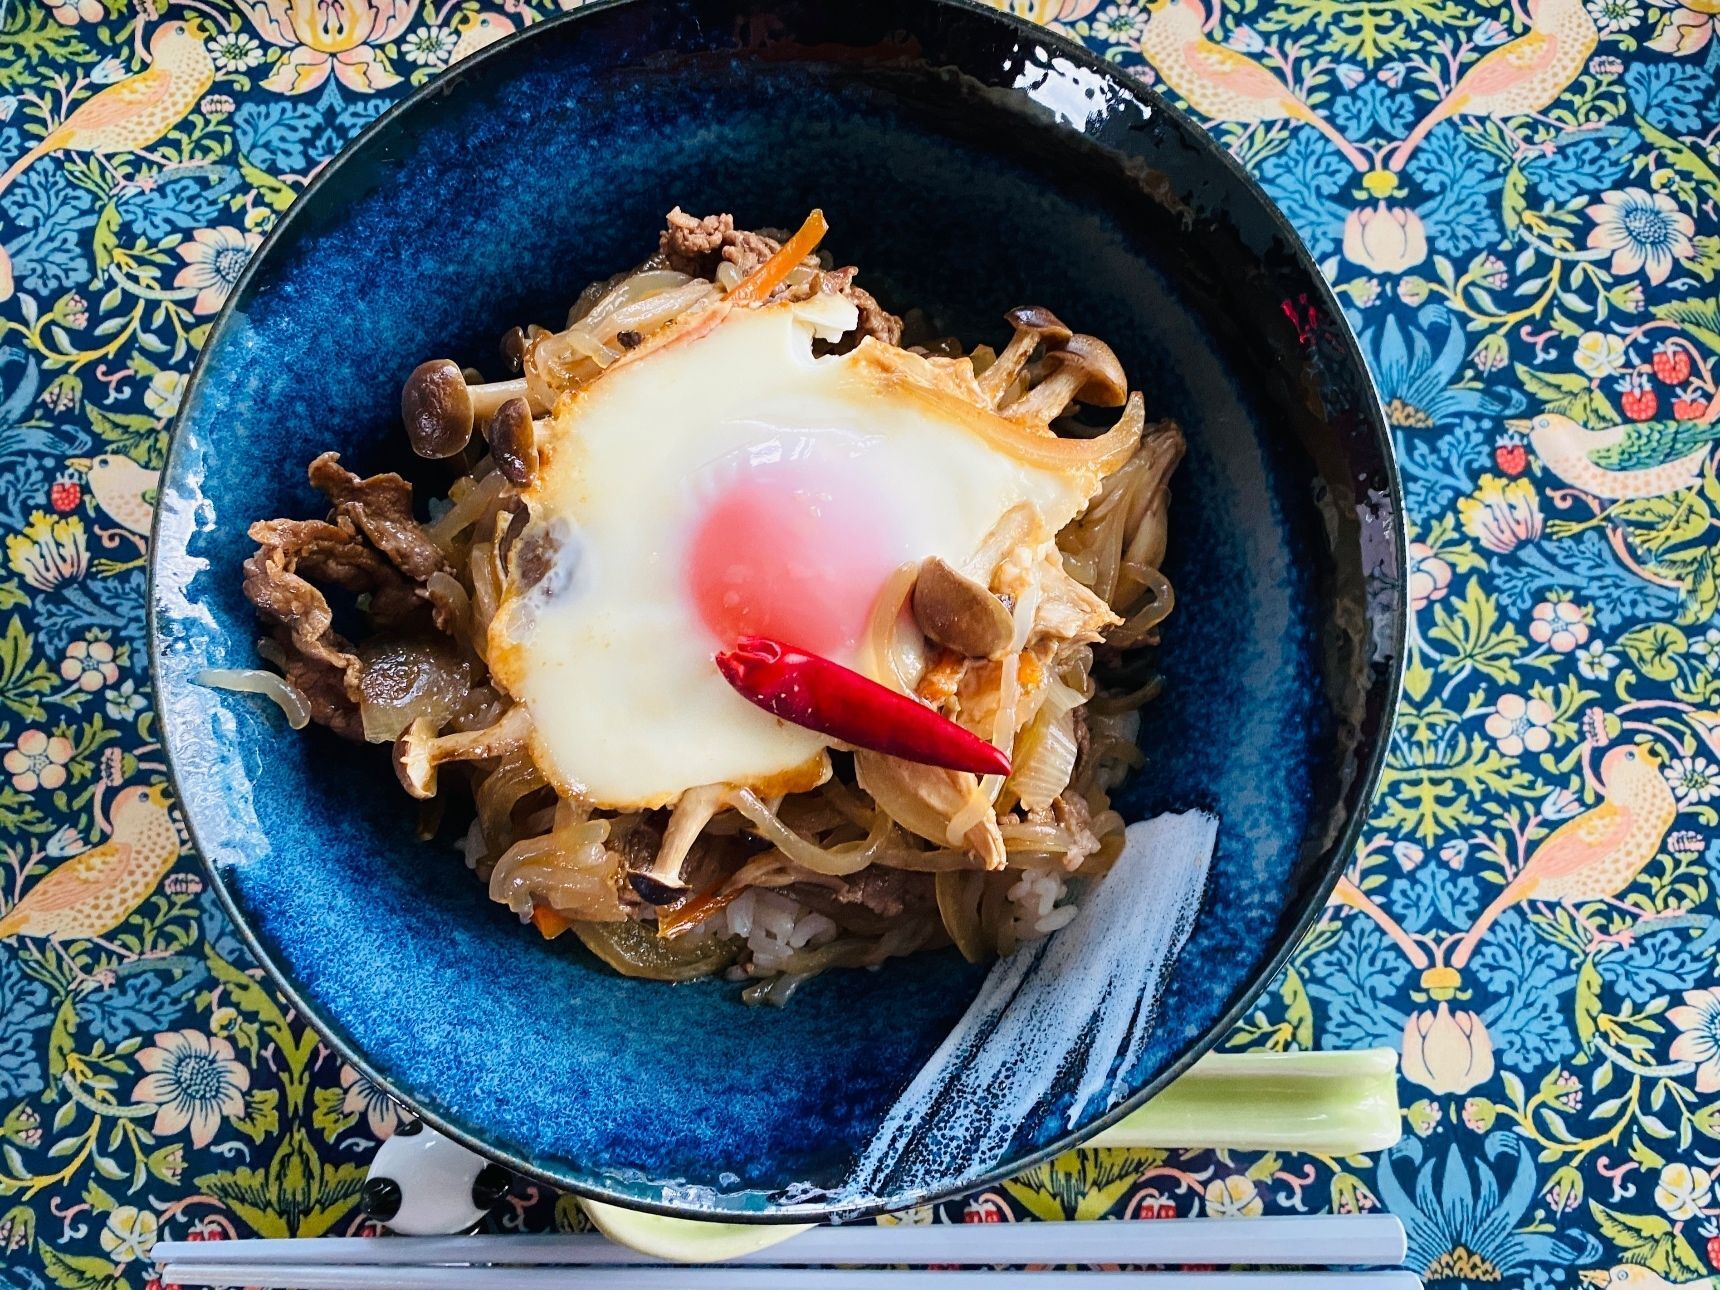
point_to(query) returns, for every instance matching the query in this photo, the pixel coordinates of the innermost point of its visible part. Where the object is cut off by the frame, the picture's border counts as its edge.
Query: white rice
(774, 926)
(1037, 913)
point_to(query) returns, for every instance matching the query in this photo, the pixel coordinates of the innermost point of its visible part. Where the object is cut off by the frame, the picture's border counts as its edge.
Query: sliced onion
(840, 861)
(633, 949)
(254, 680)
(508, 884)
(445, 592)
(1135, 629)
(651, 312)
(1044, 769)
(1003, 724)
(472, 504)
(1146, 548)
(1026, 836)
(623, 291)
(914, 860)
(1101, 454)
(891, 783)
(580, 342)
(481, 708)
(893, 650)
(1108, 544)
(1145, 693)
(645, 302)
(975, 811)
(959, 906)
(486, 594)
(500, 791)
(593, 295)
(1113, 746)
(1076, 673)
(568, 869)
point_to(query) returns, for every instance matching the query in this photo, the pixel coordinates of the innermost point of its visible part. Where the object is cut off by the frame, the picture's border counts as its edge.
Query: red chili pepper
(834, 700)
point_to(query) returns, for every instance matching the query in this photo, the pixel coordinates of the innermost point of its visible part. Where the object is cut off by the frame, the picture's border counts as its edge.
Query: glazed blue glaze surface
(966, 165)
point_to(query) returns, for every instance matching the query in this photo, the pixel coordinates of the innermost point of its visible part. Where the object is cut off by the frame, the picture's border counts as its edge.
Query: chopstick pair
(590, 1260)
(312, 1277)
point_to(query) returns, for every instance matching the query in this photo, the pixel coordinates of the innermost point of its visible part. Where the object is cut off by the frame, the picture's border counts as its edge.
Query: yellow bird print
(1595, 855)
(89, 895)
(1521, 76)
(1623, 462)
(477, 31)
(130, 114)
(122, 489)
(1222, 84)
(1634, 1276)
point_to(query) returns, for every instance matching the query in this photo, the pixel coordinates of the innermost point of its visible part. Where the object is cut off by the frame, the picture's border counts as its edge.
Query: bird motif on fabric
(1636, 1276)
(90, 894)
(132, 113)
(1521, 76)
(1624, 462)
(478, 30)
(122, 489)
(1222, 84)
(1595, 855)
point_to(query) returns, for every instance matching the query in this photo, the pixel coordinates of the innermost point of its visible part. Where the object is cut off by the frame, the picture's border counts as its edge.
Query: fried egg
(732, 483)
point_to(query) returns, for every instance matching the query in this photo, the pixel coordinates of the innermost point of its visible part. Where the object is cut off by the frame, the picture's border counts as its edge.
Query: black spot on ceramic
(491, 1186)
(380, 1198)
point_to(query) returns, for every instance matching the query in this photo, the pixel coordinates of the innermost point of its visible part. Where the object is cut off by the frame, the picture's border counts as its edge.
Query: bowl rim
(1338, 851)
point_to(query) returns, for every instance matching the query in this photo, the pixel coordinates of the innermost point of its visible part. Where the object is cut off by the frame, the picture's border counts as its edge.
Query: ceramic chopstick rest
(424, 1184)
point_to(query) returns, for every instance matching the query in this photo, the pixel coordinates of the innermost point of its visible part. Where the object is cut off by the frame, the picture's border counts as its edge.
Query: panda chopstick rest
(423, 1184)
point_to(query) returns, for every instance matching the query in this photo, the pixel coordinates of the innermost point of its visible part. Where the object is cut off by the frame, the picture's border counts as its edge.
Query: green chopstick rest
(1326, 1104)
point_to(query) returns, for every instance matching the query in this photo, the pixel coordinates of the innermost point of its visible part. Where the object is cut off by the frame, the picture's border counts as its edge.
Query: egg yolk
(792, 551)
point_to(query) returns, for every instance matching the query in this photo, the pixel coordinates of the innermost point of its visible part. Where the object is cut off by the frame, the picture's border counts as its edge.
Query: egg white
(607, 650)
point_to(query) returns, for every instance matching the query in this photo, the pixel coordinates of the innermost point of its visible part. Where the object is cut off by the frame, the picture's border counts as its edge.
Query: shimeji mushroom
(513, 442)
(441, 408)
(662, 883)
(419, 751)
(960, 612)
(1084, 370)
(1035, 326)
(513, 347)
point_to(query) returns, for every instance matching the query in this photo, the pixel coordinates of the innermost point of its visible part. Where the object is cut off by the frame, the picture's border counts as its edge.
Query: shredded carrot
(548, 922)
(672, 922)
(758, 284)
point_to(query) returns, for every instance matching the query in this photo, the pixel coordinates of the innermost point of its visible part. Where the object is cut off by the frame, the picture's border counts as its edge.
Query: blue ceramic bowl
(967, 163)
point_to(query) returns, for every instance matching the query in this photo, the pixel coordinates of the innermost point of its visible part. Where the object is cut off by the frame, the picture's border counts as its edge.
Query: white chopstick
(309, 1277)
(1280, 1241)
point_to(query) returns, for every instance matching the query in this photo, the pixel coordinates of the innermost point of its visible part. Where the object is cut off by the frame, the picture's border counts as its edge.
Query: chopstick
(330, 1277)
(1292, 1240)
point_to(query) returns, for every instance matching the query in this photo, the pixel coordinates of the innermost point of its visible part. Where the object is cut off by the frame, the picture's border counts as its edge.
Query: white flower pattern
(214, 258)
(194, 1080)
(1646, 232)
(1519, 725)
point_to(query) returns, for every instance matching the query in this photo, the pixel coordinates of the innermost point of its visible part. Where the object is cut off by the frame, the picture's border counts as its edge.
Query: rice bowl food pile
(757, 630)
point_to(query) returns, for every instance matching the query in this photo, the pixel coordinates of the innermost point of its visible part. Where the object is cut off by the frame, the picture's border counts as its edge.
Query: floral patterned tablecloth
(1518, 208)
